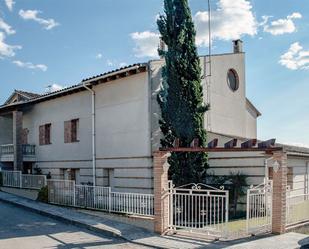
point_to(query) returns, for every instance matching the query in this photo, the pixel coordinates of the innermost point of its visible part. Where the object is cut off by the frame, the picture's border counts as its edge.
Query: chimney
(238, 46)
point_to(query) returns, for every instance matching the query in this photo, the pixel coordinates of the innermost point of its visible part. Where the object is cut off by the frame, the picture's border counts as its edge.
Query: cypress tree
(181, 96)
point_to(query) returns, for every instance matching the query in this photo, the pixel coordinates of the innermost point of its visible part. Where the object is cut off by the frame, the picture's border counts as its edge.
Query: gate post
(161, 196)
(279, 193)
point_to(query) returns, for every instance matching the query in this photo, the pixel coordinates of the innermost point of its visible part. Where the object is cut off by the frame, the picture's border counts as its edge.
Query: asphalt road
(22, 229)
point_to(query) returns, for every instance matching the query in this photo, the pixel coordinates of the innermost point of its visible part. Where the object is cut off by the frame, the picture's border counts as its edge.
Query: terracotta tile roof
(30, 95)
(98, 79)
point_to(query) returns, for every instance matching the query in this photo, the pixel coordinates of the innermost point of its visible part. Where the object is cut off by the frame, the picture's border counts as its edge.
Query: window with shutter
(71, 129)
(45, 134)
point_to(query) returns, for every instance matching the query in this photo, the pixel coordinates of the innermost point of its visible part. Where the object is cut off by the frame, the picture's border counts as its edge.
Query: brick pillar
(161, 197)
(279, 194)
(17, 139)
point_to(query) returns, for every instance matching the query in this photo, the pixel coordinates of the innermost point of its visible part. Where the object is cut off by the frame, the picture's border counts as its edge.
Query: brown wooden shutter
(47, 133)
(74, 124)
(42, 135)
(67, 132)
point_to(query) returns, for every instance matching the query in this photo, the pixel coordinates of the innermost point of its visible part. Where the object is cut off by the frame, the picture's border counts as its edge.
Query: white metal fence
(199, 208)
(259, 208)
(16, 179)
(64, 192)
(11, 179)
(297, 208)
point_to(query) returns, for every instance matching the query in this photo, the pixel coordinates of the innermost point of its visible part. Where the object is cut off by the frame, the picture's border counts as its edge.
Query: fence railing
(33, 181)
(16, 179)
(8, 149)
(198, 207)
(259, 208)
(11, 179)
(28, 149)
(64, 192)
(297, 209)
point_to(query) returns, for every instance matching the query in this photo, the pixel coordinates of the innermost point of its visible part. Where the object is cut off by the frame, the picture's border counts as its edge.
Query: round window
(233, 80)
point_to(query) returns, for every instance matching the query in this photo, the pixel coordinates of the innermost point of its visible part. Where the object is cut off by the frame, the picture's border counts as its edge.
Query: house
(107, 126)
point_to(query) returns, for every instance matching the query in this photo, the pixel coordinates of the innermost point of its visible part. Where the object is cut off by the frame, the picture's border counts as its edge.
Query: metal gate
(198, 208)
(259, 208)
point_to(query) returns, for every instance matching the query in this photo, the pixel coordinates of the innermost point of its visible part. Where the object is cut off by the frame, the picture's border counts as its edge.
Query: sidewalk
(143, 237)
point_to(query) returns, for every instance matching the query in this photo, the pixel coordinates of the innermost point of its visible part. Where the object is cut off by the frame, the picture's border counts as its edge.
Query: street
(22, 229)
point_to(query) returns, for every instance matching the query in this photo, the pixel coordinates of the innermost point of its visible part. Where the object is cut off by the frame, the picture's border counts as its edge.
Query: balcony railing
(8, 149)
(28, 149)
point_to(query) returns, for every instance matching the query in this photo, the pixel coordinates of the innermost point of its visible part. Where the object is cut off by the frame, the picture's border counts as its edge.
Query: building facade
(52, 133)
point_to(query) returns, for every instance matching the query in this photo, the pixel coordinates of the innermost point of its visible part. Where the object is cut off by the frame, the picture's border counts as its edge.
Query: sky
(55, 44)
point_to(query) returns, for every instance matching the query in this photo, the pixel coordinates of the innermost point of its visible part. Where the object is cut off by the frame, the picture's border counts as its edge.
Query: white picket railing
(297, 208)
(11, 179)
(33, 181)
(132, 203)
(61, 192)
(259, 208)
(65, 192)
(16, 179)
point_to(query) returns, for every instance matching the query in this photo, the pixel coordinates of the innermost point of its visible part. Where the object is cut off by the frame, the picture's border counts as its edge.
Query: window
(71, 131)
(44, 134)
(233, 80)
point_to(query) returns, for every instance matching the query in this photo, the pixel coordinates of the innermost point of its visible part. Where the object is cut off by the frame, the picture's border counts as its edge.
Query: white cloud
(99, 56)
(9, 4)
(54, 88)
(6, 49)
(33, 15)
(123, 64)
(30, 65)
(146, 43)
(110, 63)
(231, 20)
(295, 58)
(281, 26)
(6, 27)
(297, 144)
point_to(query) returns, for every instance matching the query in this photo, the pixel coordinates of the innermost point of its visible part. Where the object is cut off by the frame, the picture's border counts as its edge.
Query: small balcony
(7, 153)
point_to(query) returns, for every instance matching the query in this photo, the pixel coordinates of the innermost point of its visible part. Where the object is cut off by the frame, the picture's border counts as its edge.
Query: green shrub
(1, 180)
(43, 195)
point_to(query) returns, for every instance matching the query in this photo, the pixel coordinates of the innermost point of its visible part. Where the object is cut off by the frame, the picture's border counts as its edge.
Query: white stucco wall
(58, 155)
(228, 112)
(251, 124)
(122, 134)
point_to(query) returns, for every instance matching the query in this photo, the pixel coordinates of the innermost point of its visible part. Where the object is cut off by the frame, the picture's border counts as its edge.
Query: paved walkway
(143, 237)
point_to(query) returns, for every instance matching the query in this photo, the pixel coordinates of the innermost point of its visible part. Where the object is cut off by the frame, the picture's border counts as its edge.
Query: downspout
(93, 117)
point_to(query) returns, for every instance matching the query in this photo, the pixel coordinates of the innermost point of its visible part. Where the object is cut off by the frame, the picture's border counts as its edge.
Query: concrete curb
(106, 231)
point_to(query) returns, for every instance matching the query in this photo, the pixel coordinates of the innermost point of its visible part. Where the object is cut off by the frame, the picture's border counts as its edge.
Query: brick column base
(161, 197)
(279, 194)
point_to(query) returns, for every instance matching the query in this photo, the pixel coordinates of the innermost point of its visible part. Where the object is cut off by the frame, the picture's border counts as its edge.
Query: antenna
(208, 75)
(48, 89)
(209, 36)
